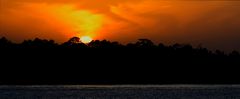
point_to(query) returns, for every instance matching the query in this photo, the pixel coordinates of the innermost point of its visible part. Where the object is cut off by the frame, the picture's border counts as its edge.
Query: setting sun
(86, 39)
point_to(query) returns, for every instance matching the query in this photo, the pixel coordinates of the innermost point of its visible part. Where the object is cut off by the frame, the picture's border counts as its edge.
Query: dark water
(121, 92)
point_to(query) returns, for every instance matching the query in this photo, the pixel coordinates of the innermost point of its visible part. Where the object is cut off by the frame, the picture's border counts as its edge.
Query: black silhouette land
(103, 62)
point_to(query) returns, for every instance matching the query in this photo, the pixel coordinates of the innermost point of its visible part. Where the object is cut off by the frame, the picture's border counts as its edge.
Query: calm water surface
(121, 92)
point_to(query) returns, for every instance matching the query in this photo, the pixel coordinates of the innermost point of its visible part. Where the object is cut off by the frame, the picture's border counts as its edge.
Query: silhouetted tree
(5, 43)
(104, 44)
(234, 54)
(71, 41)
(219, 53)
(75, 43)
(74, 40)
(38, 43)
(144, 43)
(161, 46)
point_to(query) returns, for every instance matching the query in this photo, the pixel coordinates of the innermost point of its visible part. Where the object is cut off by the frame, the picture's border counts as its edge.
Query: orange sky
(214, 24)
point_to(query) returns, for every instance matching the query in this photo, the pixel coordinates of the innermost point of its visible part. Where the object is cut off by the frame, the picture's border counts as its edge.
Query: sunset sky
(214, 24)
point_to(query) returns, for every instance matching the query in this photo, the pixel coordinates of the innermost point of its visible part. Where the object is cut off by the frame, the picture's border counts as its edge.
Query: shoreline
(126, 86)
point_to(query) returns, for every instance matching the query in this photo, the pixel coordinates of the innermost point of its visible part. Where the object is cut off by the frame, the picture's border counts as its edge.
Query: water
(121, 92)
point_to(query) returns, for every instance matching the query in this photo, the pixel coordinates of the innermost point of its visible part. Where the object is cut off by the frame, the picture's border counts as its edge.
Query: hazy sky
(214, 24)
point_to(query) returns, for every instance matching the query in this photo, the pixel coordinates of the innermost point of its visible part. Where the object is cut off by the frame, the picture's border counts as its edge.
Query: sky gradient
(214, 24)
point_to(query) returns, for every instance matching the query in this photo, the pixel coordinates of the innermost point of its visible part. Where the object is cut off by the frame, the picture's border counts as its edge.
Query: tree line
(42, 61)
(141, 44)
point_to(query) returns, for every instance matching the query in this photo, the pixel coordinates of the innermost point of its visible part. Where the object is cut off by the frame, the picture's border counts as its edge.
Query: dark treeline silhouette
(75, 43)
(104, 62)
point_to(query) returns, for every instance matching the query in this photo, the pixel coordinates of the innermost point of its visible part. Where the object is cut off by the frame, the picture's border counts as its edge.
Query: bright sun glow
(78, 21)
(86, 39)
